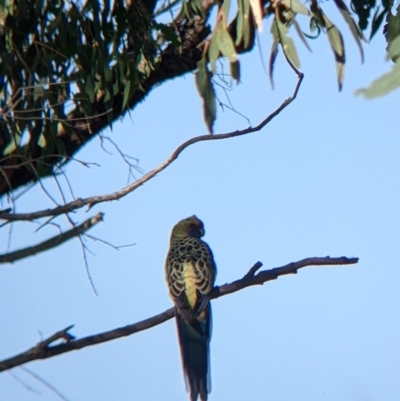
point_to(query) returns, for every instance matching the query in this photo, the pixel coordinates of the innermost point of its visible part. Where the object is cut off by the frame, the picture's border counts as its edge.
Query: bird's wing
(198, 272)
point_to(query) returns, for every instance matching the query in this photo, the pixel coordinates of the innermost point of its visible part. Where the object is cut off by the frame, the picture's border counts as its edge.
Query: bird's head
(189, 227)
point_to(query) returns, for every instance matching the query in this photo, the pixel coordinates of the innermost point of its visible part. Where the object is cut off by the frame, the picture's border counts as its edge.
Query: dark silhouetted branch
(44, 350)
(51, 242)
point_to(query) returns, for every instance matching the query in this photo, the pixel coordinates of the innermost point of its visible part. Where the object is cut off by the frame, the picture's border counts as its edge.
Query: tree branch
(93, 200)
(174, 62)
(51, 242)
(44, 350)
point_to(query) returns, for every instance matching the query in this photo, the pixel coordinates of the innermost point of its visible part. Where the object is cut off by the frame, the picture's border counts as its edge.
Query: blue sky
(321, 179)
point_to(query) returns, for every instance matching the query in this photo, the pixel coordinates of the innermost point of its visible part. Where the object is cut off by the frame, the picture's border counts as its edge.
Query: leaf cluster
(58, 60)
(390, 80)
(227, 38)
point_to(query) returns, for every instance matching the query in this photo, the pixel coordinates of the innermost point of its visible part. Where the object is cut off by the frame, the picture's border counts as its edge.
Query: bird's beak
(202, 231)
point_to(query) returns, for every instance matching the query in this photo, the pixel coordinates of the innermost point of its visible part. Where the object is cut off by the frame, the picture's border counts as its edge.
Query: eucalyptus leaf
(239, 22)
(272, 58)
(235, 71)
(207, 93)
(301, 35)
(394, 48)
(393, 25)
(287, 44)
(383, 85)
(224, 11)
(127, 92)
(377, 22)
(354, 29)
(225, 43)
(296, 6)
(213, 51)
(247, 26)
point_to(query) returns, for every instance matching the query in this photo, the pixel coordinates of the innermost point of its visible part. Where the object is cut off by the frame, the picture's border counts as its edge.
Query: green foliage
(390, 80)
(65, 65)
(207, 92)
(58, 57)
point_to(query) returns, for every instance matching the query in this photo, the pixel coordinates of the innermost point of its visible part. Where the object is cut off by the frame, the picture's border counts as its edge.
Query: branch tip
(253, 270)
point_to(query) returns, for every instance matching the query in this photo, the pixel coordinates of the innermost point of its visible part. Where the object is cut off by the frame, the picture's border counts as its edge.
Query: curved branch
(51, 242)
(93, 200)
(44, 350)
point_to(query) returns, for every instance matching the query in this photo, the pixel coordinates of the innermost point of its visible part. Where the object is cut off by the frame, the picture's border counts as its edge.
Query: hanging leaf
(127, 91)
(272, 58)
(301, 35)
(295, 6)
(376, 22)
(247, 26)
(274, 51)
(225, 43)
(394, 49)
(213, 51)
(355, 30)
(287, 43)
(392, 28)
(235, 71)
(224, 12)
(383, 85)
(337, 45)
(206, 90)
(239, 22)
(335, 40)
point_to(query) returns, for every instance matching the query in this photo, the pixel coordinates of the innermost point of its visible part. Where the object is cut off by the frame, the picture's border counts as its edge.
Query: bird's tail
(194, 341)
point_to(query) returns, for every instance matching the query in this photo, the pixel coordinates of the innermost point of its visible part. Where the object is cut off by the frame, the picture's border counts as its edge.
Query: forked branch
(51, 242)
(44, 349)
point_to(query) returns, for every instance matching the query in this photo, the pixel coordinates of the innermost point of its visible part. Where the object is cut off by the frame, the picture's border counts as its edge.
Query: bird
(190, 273)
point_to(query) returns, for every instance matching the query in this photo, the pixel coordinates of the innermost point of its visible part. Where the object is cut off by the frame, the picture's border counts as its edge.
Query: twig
(51, 242)
(91, 201)
(22, 383)
(85, 259)
(45, 383)
(253, 270)
(60, 335)
(43, 350)
(116, 247)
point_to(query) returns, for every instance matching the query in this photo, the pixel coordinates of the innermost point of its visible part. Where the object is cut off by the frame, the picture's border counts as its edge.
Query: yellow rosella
(190, 272)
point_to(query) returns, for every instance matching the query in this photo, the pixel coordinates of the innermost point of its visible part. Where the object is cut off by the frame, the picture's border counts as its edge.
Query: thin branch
(85, 259)
(116, 247)
(91, 201)
(128, 160)
(45, 383)
(22, 383)
(43, 349)
(51, 242)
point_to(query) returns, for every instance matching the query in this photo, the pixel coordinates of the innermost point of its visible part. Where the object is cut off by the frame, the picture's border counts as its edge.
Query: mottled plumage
(190, 273)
